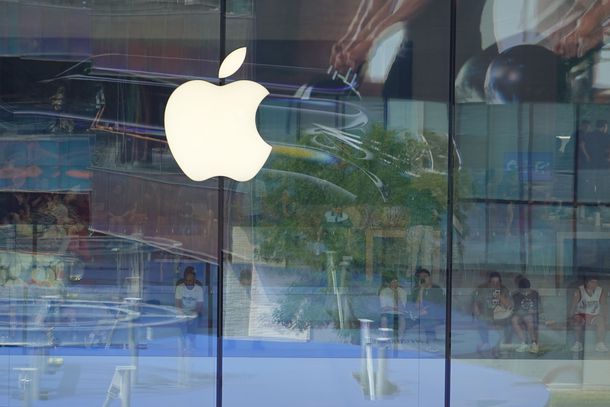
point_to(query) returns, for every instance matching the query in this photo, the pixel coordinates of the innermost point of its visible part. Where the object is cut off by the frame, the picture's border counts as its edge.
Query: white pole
(381, 364)
(132, 344)
(369, 368)
(366, 368)
(126, 373)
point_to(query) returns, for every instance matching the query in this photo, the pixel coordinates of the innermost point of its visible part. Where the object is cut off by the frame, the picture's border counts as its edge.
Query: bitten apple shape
(211, 130)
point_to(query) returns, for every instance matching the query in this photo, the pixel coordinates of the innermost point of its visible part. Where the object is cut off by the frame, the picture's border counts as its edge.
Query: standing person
(189, 298)
(526, 311)
(491, 307)
(430, 304)
(393, 301)
(589, 308)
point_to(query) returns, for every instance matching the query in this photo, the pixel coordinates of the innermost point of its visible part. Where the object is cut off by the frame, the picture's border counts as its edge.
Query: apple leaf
(232, 63)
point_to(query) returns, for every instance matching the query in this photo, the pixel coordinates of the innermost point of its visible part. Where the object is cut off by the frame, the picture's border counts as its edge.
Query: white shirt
(589, 304)
(388, 300)
(189, 296)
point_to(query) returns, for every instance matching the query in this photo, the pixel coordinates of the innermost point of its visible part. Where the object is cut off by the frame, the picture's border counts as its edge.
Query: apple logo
(211, 130)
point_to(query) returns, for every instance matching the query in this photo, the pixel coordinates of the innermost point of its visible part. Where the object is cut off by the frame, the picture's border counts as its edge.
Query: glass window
(529, 271)
(108, 252)
(341, 256)
(337, 266)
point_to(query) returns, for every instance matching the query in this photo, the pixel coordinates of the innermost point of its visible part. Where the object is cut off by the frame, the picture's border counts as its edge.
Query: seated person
(189, 298)
(589, 308)
(431, 306)
(491, 307)
(525, 313)
(393, 301)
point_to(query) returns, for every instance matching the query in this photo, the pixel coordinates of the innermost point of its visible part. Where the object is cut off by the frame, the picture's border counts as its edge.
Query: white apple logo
(211, 130)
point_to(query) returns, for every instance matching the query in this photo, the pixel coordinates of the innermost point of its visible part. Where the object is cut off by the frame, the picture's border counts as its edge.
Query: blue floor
(270, 373)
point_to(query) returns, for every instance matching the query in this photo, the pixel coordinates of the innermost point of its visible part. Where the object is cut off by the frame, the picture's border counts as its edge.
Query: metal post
(132, 343)
(365, 333)
(450, 196)
(126, 374)
(381, 365)
(220, 226)
(367, 346)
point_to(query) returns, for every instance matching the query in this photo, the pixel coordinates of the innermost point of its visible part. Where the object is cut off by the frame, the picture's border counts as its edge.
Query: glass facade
(430, 229)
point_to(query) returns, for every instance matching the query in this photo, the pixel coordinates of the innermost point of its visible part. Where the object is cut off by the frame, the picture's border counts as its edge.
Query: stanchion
(377, 380)
(183, 354)
(367, 356)
(383, 344)
(132, 342)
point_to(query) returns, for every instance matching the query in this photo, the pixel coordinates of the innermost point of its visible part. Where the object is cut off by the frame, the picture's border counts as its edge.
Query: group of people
(494, 306)
(423, 306)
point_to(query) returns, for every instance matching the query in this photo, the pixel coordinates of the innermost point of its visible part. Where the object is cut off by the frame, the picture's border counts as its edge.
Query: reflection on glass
(528, 261)
(336, 252)
(337, 245)
(97, 228)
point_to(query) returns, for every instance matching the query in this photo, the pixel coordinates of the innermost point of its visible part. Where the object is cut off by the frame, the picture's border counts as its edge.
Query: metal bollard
(365, 332)
(133, 305)
(126, 374)
(381, 364)
(367, 356)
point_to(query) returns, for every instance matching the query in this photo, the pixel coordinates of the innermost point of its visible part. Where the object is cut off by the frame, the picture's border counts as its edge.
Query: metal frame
(220, 225)
(449, 225)
(450, 198)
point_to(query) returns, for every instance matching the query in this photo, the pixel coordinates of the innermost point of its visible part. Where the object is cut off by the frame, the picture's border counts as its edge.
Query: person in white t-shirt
(589, 308)
(393, 302)
(189, 298)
